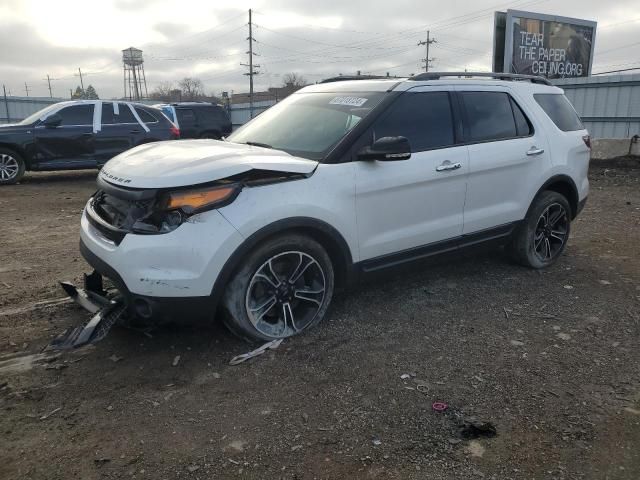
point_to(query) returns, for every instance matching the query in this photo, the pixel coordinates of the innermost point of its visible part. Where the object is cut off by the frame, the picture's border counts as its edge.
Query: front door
(70, 144)
(405, 204)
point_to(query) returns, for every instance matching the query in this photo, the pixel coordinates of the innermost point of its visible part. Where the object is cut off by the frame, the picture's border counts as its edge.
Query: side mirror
(387, 149)
(52, 121)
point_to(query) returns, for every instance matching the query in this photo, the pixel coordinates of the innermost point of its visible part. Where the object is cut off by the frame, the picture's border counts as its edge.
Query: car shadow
(34, 178)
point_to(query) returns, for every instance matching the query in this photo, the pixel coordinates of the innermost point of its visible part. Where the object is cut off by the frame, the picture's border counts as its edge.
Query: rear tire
(12, 167)
(542, 237)
(284, 287)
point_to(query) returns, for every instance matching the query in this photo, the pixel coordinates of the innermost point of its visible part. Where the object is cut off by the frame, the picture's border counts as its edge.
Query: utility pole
(49, 83)
(81, 83)
(427, 59)
(251, 66)
(26, 88)
(6, 103)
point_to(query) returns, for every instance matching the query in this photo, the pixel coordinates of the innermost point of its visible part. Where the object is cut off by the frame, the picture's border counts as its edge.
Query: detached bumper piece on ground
(93, 298)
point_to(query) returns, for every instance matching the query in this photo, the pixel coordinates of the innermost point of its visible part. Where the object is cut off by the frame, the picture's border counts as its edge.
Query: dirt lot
(550, 358)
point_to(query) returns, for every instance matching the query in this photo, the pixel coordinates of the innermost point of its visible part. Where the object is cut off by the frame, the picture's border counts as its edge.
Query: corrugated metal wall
(21, 107)
(609, 105)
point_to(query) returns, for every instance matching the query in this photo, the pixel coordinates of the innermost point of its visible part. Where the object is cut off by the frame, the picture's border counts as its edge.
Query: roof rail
(494, 75)
(356, 77)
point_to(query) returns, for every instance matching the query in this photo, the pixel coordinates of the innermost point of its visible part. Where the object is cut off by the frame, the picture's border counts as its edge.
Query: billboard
(546, 45)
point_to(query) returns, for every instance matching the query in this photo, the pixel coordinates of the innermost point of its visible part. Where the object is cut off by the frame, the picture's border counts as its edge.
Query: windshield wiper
(258, 144)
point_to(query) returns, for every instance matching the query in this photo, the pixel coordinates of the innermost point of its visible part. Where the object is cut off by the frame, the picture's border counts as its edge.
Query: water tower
(134, 79)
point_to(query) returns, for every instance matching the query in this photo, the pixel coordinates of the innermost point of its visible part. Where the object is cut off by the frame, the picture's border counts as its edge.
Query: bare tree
(164, 92)
(192, 89)
(293, 80)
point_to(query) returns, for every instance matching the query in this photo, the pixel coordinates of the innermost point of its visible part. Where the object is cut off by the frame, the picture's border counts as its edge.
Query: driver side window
(76, 115)
(424, 118)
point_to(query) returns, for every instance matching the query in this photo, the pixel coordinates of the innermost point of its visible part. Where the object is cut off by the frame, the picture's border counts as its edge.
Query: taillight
(175, 131)
(587, 141)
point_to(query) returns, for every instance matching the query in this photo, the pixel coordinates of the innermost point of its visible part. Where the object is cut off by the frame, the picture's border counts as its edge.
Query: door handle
(447, 165)
(535, 151)
(134, 131)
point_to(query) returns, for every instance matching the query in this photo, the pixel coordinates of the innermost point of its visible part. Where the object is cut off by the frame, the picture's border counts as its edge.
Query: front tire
(12, 167)
(282, 289)
(543, 235)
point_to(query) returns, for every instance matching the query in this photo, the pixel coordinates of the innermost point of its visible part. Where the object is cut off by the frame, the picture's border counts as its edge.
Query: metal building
(609, 105)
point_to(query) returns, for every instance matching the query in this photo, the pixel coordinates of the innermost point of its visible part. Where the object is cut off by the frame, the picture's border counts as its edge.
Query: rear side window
(523, 125)
(424, 118)
(489, 116)
(124, 114)
(145, 116)
(185, 115)
(211, 115)
(77, 115)
(559, 110)
(107, 114)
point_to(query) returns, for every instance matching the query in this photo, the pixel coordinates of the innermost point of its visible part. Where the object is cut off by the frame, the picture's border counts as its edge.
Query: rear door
(118, 133)
(70, 144)
(417, 202)
(187, 122)
(507, 154)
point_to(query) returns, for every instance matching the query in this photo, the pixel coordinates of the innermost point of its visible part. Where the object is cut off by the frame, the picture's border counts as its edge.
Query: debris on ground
(176, 361)
(439, 406)
(272, 345)
(51, 413)
(114, 358)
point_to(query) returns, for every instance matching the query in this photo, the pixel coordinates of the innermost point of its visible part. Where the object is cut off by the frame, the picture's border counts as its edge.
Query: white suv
(340, 179)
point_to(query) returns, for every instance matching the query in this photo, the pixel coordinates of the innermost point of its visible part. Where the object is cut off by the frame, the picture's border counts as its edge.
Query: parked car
(339, 180)
(198, 119)
(78, 134)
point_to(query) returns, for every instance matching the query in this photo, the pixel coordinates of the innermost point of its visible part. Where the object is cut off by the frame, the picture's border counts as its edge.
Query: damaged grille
(120, 213)
(116, 212)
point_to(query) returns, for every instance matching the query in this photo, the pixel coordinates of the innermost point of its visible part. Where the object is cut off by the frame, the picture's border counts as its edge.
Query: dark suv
(198, 119)
(78, 134)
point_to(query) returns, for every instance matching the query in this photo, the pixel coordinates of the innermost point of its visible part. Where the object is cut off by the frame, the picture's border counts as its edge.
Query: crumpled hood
(180, 163)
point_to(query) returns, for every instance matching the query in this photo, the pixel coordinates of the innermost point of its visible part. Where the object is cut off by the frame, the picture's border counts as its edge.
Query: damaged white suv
(341, 178)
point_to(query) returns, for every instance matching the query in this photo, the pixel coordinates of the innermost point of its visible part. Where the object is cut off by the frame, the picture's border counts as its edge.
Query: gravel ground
(549, 358)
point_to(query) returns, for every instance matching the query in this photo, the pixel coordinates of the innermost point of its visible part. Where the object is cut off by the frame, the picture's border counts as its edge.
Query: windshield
(308, 124)
(34, 117)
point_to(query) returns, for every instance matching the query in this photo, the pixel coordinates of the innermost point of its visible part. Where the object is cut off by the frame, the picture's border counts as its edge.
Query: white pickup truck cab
(339, 179)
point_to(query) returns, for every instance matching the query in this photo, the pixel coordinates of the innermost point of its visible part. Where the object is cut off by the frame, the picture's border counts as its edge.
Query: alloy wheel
(551, 232)
(285, 294)
(9, 167)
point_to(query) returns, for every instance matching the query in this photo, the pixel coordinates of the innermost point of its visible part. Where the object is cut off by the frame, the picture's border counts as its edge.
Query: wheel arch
(20, 151)
(565, 186)
(330, 238)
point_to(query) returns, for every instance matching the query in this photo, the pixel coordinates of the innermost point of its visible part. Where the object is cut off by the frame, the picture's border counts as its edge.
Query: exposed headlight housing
(201, 199)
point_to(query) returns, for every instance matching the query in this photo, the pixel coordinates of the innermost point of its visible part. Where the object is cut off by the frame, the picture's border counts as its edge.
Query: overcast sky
(207, 39)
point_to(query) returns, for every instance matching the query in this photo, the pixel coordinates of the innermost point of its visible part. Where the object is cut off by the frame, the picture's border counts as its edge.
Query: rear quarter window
(145, 116)
(559, 110)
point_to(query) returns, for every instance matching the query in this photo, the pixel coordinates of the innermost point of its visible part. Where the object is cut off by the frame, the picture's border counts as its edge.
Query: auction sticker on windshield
(350, 101)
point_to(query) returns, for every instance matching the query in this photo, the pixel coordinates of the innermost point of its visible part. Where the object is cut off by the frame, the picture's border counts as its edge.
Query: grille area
(121, 213)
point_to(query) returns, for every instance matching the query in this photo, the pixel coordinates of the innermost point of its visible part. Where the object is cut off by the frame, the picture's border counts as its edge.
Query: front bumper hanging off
(106, 313)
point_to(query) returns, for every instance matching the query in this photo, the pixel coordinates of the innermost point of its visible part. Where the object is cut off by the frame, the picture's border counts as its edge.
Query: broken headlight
(199, 200)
